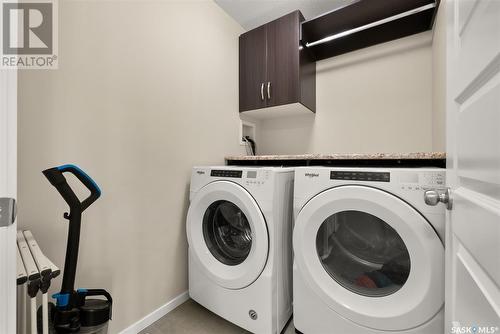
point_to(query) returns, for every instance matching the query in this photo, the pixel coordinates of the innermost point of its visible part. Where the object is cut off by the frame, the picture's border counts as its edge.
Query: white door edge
(8, 178)
(472, 33)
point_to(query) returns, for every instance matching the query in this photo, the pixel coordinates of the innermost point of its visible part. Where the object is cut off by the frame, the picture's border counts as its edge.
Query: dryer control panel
(421, 180)
(433, 179)
(404, 179)
(361, 176)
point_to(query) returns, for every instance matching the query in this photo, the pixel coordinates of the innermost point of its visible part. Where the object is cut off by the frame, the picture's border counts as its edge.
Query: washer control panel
(226, 173)
(249, 177)
(255, 178)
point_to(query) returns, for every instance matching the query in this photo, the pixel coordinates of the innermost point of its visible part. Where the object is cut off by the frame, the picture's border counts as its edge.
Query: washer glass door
(227, 234)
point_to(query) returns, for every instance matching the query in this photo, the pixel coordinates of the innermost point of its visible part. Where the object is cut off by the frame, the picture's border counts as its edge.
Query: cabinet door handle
(268, 90)
(262, 91)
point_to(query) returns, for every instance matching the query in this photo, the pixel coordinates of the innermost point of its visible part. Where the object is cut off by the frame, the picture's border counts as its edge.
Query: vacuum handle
(57, 179)
(96, 292)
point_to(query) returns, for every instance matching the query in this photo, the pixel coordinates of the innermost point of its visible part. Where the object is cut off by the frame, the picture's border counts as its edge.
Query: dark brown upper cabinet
(276, 74)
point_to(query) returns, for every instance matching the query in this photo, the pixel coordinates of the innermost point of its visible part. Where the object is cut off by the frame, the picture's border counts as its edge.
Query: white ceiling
(253, 13)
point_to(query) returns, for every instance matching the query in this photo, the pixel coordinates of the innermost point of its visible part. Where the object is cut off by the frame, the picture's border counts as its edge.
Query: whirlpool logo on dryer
(311, 175)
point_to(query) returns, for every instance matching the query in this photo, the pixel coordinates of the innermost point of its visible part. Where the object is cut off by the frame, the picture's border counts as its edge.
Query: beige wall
(377, 99)
(439, 80)
(145, 90)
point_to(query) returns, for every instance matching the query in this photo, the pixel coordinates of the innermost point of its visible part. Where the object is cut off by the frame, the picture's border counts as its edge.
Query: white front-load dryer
(369, 254)
(239, 230)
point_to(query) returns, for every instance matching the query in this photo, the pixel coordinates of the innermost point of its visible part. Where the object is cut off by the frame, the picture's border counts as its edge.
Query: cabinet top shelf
(365, 23)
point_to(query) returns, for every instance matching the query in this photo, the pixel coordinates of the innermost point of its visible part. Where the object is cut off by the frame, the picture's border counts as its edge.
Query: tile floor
(192, 318)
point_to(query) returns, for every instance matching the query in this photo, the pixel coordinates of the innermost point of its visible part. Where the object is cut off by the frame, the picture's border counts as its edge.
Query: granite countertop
(344, 156)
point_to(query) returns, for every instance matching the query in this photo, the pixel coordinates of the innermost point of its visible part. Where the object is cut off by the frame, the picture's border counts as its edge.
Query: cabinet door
(283, 59)
(253, 68)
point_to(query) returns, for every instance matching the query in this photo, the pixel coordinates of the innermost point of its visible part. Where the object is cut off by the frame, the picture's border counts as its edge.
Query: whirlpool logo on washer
(311, 175)
(200, 172)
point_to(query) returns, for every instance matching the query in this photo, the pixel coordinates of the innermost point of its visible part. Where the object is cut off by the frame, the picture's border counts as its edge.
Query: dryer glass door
(363, 253)
(370, 257)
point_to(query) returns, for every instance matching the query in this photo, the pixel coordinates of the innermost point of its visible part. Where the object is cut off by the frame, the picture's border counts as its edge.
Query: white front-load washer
(239, 230)
(369, 254)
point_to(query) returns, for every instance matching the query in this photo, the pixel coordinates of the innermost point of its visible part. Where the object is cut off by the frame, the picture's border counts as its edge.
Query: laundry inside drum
(363, 253)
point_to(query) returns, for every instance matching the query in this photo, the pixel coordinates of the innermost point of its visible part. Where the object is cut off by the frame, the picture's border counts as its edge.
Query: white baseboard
(156, 314)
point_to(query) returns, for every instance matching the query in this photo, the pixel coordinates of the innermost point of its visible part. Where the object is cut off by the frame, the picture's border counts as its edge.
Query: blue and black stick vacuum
(74, 312)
